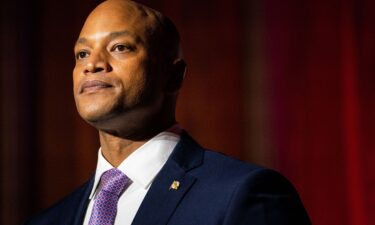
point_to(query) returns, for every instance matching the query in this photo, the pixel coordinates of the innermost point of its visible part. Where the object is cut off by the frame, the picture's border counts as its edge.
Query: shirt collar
(144, 164)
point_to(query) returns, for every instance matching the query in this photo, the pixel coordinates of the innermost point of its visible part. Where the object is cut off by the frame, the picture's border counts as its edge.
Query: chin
(96, 109)
(92, 117)
(94, 113)
(130, 124)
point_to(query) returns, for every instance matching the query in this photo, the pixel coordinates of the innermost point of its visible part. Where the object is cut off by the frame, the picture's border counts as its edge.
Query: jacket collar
(171, 184)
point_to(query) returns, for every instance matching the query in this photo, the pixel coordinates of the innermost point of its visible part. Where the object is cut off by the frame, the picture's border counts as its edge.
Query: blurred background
(284, 84)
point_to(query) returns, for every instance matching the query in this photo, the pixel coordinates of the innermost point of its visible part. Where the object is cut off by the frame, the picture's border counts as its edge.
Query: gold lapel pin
(175, 185)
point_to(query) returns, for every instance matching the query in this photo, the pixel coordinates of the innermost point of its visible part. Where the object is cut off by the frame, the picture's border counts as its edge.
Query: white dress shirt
(140, 167)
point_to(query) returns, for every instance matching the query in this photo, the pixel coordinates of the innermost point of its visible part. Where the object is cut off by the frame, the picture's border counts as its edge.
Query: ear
(176, 76)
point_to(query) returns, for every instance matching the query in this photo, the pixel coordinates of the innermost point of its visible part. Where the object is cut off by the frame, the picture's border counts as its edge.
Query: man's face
(113, 65)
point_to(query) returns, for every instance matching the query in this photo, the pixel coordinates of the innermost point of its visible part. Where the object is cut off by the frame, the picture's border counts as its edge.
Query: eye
(122, 48)
(82, 54)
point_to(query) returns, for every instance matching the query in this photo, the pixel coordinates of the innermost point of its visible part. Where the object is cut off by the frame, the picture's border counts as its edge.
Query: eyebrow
(121, 33)
(111, 35)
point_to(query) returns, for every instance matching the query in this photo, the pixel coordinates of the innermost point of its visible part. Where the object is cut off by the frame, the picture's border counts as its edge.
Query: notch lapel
(75, 212)
(162, 200)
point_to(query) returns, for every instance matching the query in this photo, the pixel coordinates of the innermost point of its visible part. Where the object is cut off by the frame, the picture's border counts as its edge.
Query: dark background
(285, 84)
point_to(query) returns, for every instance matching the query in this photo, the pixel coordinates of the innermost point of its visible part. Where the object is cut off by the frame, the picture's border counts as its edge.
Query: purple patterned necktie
(112, 184)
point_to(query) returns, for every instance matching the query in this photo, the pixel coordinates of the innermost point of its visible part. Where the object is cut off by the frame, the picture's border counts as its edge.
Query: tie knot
(113, 181)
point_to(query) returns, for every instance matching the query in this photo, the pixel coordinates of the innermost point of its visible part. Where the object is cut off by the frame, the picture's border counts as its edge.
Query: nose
(97, 63)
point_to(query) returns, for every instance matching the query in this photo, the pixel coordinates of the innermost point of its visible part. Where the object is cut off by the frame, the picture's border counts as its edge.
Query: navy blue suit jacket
(214, 189)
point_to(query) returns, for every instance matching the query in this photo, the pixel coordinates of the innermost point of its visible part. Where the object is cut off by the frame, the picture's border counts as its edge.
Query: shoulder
(254, 195)
(247, 193)
(64, 210)
(236, 172)
(211, 166)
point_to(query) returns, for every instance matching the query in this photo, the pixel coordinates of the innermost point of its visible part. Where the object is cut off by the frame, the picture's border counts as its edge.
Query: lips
(94, 85)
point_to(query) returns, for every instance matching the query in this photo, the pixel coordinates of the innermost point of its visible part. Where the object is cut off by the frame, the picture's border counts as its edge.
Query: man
(127, 76)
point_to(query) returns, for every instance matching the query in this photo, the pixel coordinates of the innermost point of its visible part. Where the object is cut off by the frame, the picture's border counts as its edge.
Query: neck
(116, 149)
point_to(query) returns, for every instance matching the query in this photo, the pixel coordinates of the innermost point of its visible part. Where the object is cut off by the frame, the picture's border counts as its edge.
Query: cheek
(135, 88)
(134, 79)
(76, 76)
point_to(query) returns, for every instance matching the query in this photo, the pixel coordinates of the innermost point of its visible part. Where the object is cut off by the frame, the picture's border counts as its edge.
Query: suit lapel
(162, 200)
(75, 212)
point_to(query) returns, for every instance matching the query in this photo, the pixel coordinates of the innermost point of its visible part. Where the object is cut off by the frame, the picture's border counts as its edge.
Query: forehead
(119, 17)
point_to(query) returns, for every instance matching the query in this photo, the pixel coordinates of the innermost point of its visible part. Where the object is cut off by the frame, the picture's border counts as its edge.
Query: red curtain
(320, 63)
